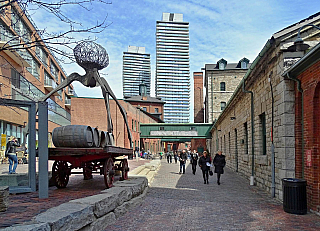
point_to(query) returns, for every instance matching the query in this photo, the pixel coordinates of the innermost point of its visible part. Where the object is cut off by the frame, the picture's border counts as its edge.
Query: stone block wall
(231, 137)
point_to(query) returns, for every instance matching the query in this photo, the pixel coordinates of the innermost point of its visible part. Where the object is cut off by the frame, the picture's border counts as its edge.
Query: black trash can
(294, 196)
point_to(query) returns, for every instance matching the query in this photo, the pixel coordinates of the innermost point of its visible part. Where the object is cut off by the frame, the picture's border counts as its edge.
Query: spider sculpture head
(91, 57)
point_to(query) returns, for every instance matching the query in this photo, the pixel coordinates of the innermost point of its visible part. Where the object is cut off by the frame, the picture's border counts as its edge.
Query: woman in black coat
(204, 163)
(219, 162)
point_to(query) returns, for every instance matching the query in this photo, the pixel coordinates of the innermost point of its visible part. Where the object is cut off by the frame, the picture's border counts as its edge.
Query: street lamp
(139, 142)
(298, 44)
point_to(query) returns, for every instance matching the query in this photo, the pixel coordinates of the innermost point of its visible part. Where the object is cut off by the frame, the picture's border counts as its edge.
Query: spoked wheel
(124, 169)
(87, 171)
(108, 170)
(60, 173)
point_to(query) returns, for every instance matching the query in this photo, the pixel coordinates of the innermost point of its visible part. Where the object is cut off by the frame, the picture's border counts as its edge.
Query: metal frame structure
(43, 141)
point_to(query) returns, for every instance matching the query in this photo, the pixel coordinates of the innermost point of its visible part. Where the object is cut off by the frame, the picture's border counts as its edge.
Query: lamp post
(139, 131)
(298, 44)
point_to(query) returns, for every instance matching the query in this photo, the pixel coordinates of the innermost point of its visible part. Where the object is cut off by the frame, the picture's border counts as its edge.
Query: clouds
(230, 29)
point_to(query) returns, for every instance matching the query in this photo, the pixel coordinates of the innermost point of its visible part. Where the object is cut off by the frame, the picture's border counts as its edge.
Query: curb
(148, 170)
(91, 213)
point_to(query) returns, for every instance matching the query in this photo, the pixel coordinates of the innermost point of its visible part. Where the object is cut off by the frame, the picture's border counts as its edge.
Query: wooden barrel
(107, 135)
(111, 137)
(103, 139)
(95, 132)
(73, 136)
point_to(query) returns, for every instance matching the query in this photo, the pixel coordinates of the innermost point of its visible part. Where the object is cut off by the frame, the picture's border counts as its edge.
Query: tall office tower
(172, 68)
(136, 69)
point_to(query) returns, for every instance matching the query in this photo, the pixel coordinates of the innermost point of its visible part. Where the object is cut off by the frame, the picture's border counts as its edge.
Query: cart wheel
(108, 172)
(124, 170)
(87, 172)
(60, 173)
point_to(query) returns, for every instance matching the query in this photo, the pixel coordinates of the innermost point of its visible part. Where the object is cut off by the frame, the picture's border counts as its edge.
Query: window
(132, 125)
(246, 145)
(54, 71)
(193, 129)
(221, 66)
(156, 110)
(144, 108)
(229, 143)
(15, 78)
(223, 105)
(263, 133)
(222, 86)
(243, 65)
(161, 128)
(224, 144)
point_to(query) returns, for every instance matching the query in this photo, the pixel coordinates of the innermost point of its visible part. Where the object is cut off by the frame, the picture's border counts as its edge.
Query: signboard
(3, 141)
(309, 160)
(174, 133)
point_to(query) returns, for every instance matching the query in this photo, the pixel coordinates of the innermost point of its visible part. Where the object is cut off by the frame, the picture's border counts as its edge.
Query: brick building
(248, 148)
(221, 80)
(92, 112)
(151, 105)
(198, 97)
(307, 144)
(28, 74)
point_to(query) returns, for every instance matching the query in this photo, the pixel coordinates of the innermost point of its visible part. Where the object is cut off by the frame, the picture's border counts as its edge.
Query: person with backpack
(11, 154)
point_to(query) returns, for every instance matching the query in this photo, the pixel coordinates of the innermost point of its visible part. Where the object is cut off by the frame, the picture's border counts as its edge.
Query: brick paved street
(183, 202)
(25, 206)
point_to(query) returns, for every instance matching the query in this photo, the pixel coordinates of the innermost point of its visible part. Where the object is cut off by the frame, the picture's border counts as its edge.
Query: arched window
(223, 105)
(222, 86)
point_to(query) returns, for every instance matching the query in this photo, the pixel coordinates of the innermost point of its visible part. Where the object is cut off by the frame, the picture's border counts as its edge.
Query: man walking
(183, 159)
(194, 161)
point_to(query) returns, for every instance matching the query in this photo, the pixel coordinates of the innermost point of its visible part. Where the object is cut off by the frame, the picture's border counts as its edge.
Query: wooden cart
(102, 160)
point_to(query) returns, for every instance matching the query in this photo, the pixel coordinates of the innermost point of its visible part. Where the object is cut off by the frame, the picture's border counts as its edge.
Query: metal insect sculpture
(92, 57)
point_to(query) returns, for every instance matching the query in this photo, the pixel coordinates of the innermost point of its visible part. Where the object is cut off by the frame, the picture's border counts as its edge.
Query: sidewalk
(184, 202)
(23, 207)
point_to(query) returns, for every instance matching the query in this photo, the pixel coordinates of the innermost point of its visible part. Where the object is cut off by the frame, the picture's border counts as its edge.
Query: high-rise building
(136, 69)
(172, 68)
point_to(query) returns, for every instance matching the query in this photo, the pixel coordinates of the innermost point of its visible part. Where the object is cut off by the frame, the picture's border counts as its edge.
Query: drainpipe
(273, 178)
(252, 133)
(302, 123)
(217, 144)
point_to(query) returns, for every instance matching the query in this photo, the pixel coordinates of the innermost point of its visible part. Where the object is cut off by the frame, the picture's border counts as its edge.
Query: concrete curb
(149, 170)
(91, 213)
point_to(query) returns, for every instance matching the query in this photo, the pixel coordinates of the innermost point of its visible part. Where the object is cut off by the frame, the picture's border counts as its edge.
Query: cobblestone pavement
(23, 207)
(183, 202)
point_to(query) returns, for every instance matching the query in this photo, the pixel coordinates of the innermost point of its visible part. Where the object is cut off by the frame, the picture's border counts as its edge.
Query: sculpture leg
(72, 77)
(105, 86)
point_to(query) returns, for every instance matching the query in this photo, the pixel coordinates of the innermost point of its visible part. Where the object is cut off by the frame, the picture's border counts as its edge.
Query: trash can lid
(293, 180)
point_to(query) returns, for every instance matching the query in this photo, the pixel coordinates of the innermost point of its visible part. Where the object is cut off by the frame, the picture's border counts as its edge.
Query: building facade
(257, 127)
(221, 80)
(307, 143)
(28, 74)
(136, 69)
(172, 67)
(198, 97)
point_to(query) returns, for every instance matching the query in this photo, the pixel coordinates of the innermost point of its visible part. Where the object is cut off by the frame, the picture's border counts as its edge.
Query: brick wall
(310, 83)
(92, 112)
(198, 97)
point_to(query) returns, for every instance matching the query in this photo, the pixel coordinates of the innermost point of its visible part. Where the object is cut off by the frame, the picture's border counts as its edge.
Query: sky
(230, 29)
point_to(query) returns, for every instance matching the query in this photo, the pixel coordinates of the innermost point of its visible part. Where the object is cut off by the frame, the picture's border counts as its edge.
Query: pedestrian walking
(219, 162)
(183, 159)
(194, 161)
(205, 163)
(168, 157)
(11, 154)
(175, 156)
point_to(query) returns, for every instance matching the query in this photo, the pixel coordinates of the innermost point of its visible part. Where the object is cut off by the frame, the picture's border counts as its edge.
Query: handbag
(210, 173)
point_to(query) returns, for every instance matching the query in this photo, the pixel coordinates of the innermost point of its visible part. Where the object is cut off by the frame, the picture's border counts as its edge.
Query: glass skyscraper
(136, 69)
(172, 68)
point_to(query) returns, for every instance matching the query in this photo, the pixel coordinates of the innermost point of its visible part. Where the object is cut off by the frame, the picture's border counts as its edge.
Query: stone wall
(230, 135)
